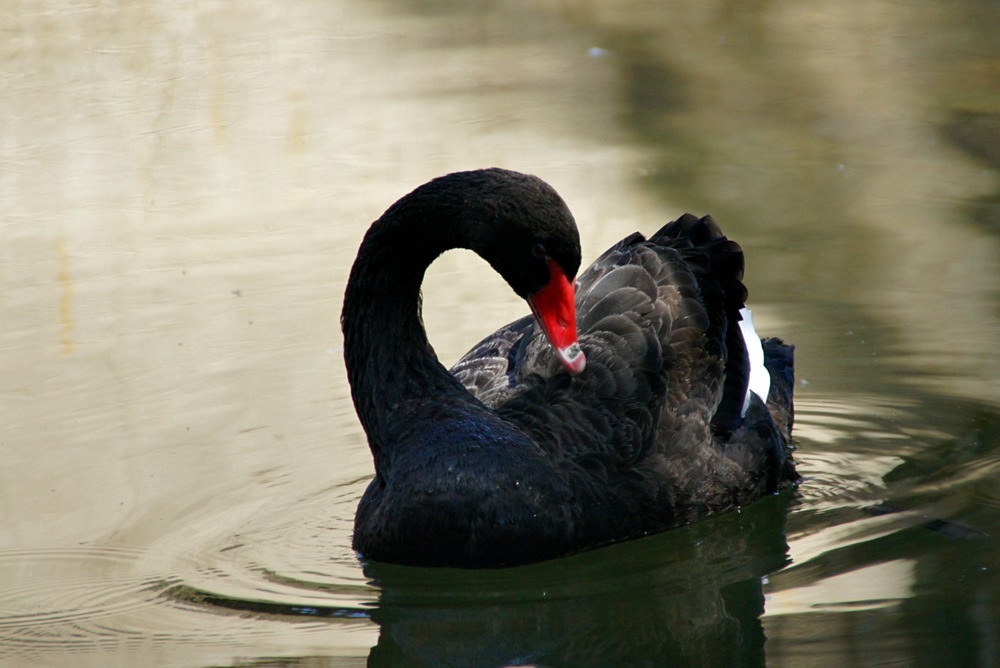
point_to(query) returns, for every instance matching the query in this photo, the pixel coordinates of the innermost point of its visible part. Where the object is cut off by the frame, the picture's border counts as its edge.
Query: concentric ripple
(289, 568)
(73, 599)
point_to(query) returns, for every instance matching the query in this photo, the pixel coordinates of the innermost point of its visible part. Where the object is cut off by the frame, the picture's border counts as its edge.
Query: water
(183, 187)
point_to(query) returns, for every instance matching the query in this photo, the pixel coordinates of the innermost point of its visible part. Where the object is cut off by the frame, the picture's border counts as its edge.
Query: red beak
(555, 310)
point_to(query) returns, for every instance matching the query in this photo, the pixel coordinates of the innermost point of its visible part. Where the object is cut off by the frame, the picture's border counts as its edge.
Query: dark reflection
(939, 525)
(193, 595)
(978, 134)
(693, 595)
(955, 489)
(689, 596)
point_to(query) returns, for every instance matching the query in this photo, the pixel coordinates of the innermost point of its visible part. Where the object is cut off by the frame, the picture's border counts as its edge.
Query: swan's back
(653, 433)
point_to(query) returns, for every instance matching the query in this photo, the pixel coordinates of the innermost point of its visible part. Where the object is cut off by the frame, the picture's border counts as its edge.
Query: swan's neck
(395, 376)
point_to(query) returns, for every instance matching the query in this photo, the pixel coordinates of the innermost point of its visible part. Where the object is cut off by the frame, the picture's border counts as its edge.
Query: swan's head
(524, 230)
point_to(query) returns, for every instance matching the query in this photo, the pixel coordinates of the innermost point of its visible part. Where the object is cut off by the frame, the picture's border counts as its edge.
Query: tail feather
(718, 263)
(779, 359)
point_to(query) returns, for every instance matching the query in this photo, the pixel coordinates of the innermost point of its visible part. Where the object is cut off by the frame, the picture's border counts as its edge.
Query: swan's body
(509, 458)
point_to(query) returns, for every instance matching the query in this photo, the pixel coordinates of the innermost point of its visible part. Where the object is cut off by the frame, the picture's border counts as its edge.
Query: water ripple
(294, 562)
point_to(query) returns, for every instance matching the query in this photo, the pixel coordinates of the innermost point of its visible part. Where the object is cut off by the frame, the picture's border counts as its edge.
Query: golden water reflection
(184, 186)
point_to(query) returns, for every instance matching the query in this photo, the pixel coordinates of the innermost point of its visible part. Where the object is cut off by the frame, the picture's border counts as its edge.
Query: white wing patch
(760, 379)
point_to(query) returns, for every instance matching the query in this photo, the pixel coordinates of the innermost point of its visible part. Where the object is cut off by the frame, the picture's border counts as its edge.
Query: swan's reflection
(693, 595)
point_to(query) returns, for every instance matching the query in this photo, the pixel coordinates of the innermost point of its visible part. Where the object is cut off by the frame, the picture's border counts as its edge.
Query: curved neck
(391, 366)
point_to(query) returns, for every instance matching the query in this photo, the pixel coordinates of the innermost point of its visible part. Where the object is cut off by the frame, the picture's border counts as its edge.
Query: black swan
(538, 444)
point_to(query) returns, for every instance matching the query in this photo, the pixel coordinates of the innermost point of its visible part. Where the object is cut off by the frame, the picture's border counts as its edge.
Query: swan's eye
(538, 250)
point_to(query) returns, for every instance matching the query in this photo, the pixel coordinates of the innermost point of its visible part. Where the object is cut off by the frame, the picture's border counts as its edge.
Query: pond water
(183, 188)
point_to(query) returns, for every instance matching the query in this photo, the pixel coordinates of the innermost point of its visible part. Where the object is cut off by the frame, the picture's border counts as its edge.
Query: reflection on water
(693, 593)
(183, 189)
